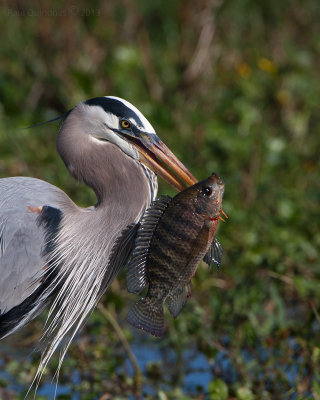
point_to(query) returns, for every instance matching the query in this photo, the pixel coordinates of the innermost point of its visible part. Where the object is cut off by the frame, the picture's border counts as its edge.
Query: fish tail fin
(147, 316)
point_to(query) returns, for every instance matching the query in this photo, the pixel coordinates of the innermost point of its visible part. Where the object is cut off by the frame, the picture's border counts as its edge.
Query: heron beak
(155, 155)
(158, 157)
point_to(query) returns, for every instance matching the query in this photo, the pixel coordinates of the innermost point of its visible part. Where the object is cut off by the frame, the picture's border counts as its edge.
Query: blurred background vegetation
(231, 87)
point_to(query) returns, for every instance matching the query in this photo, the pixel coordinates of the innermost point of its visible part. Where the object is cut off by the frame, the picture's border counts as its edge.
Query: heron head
(116, 121)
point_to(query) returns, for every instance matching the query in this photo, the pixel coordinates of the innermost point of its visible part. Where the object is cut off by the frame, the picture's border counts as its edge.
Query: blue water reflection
(192, 371)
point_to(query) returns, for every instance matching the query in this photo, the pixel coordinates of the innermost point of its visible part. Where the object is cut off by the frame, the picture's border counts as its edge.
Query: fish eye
(207, 190)
(125, 124)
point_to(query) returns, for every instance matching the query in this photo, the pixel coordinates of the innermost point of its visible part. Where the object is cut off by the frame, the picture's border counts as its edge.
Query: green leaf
(218, 390)
(244, 393)
(162, 395)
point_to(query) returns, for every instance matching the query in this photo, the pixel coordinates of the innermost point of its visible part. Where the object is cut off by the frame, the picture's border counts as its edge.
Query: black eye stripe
(116, 107)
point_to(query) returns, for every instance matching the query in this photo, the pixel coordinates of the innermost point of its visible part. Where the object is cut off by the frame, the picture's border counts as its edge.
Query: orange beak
(159, 158)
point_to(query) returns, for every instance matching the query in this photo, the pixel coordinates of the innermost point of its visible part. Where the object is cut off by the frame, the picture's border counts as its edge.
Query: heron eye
(207, 190)
(125, 124)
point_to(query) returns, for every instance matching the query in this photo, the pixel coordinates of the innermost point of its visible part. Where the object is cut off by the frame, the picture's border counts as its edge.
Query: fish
(174, 236)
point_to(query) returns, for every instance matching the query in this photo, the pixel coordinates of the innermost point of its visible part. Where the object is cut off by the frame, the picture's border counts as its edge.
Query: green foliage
(218, 390)
(231, 87)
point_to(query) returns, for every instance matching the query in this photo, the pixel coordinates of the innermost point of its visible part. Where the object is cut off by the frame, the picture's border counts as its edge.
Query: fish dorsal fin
(214, 253)
(136, 267)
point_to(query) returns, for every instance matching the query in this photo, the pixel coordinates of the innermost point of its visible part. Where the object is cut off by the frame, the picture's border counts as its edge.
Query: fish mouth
(155, 155)
(220, 184)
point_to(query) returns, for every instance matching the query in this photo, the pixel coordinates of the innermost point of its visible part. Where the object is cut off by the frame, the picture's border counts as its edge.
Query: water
(193, 370)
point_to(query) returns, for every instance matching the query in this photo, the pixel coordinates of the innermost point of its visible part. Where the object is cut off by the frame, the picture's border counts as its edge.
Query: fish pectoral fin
(136, 267)
(214, 253)
(178, 299)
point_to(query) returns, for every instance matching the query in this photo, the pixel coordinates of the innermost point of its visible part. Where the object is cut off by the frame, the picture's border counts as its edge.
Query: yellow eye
(125, 124)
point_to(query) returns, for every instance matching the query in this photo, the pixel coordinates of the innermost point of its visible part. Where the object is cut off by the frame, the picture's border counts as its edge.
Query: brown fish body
(171, 259)
(174, 237)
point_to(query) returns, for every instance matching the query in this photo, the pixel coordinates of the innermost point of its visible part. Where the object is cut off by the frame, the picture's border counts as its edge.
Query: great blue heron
(54, 252)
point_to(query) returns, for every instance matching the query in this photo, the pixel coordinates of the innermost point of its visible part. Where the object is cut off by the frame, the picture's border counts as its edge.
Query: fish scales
(175, 235)
(174, 256)
(168, 243)
(181, 230)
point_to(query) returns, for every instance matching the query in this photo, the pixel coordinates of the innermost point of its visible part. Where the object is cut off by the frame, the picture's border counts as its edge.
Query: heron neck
(120, 184)
(116, 178)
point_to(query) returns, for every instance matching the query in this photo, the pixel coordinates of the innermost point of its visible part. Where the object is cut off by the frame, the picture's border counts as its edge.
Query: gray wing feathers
(21, 239)
(20, 258)
(119, 255)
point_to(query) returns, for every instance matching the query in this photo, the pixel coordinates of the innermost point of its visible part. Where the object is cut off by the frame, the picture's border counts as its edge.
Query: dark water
(193, 371)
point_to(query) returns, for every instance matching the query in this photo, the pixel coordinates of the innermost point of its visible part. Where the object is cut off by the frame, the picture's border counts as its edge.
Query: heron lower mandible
(53, 252)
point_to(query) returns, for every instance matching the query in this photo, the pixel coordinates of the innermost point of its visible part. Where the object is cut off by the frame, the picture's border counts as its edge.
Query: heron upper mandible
(53, 252)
